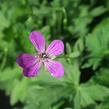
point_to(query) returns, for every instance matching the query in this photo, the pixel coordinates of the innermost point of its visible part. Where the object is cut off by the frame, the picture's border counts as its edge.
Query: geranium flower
(31, 64)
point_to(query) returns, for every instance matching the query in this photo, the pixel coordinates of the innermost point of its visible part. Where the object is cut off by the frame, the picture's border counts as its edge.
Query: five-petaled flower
(32, 64)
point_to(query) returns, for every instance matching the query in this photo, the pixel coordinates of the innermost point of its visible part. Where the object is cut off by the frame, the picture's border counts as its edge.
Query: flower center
(44, 55)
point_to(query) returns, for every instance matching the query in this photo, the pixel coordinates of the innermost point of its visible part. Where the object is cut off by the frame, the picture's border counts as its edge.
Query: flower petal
(55, 68)
(55, 48)
(38, 41)
(32, 71)
(29, 63)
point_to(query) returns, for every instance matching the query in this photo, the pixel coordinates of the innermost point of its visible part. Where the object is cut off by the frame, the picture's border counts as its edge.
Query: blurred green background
(83, 25)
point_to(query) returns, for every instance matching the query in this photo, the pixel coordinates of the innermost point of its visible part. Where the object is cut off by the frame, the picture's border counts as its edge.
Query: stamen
(44, 56)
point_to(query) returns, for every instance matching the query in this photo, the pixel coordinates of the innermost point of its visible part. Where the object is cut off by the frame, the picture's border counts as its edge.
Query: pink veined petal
(26, 60)
(55, 68)
(55, 48)
(29, 63)
(38, 41)
(32, 71)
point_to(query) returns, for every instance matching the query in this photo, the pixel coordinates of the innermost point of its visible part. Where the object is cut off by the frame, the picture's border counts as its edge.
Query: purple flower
(32, 64)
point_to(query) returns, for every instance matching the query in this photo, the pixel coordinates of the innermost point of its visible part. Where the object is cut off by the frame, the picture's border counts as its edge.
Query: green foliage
(97, 44)
(53, 90)
(83, 25)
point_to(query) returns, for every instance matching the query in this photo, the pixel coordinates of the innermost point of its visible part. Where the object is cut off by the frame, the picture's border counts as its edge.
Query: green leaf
(74, 54)
(97, 44)
(98, 11)
(4, 22)
(19, 92)
(101, 77)
(96, 92)
(88, 94)
(77, 101)
(104, 105)
(68, 48)
(8, 79)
